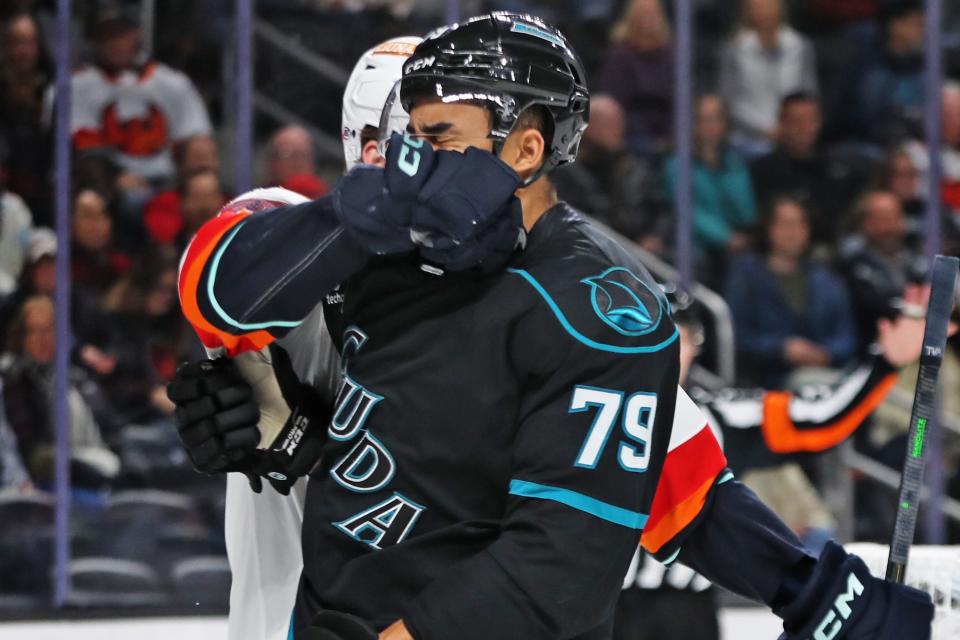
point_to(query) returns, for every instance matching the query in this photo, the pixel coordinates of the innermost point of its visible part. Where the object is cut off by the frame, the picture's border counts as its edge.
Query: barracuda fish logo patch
(624, 302)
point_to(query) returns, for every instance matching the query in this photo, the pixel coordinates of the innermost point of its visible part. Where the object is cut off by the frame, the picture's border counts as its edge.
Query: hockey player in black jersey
(509, 422)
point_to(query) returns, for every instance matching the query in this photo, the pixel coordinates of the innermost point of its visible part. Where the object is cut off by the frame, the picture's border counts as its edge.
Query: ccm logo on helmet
(829, 628)
(422, 63)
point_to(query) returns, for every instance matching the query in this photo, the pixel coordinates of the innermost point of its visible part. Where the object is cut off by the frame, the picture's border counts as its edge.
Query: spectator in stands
(292, 162)
(877, 261)
(891, 88)
(94, 263)
(638, 72)
(163, 217)
(38, 276)
(13, 475)
(899, 176)
(150, 337)
(788, 312)
(26, 72)
(16, 229)
(826, 183)
(202, 197)
(949, 158)
(615, 186)
(724, 212)
(846, 37)
(764, 61)
(28, 389)
(133, 108)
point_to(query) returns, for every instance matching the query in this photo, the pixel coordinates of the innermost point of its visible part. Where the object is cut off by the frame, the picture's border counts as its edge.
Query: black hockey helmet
(509, 62)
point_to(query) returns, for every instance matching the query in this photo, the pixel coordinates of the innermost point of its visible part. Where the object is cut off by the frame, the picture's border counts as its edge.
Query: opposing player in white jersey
(263, 529)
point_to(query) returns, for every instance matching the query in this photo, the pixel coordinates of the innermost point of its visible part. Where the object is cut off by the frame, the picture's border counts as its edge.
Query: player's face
(451, 127)
(456, 127)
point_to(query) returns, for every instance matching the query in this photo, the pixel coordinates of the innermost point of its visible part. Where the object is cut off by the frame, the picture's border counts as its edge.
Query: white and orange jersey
(138, 114)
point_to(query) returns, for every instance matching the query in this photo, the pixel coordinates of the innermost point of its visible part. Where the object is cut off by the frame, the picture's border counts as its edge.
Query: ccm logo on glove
(841, 607)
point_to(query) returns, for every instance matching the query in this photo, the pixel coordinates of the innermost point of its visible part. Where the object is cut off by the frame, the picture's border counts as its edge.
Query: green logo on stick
(918, 439)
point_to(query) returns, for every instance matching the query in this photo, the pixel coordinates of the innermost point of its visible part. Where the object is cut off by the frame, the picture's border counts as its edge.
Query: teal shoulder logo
(623, 301)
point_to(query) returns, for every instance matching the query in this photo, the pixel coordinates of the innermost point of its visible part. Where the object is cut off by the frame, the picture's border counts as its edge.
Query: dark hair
(368, 134)
(44, 58)
(890, 10)
(769, 215)
(129, 294)
(797, 97)
(539, 118)
(45, 64)
(95, 170)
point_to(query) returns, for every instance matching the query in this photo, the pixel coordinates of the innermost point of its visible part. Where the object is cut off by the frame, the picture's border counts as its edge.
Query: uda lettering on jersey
(368, 465)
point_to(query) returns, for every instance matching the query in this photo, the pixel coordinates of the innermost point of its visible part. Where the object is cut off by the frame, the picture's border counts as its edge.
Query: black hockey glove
(459, 207)
(249, 415)
(842, 601)
(334, 625)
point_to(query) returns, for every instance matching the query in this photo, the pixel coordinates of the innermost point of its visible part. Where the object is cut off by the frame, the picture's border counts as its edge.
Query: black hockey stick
(943, 283)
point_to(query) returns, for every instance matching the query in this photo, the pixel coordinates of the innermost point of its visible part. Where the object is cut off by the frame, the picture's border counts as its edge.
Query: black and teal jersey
(497, 441)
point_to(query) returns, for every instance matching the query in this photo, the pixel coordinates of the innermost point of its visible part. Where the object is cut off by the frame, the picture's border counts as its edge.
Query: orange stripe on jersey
(783, 436)
(688, 474)
(194, 262)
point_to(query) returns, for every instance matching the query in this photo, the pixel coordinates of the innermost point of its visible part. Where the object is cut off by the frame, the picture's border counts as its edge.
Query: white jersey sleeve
(263, 530)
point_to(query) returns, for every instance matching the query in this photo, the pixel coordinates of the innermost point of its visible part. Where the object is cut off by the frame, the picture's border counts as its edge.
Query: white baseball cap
(43, 243)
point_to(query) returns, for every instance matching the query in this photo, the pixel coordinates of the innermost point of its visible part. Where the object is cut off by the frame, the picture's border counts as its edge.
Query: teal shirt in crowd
(723, 200)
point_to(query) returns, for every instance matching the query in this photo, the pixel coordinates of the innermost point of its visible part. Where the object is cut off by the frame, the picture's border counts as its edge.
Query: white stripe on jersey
(688, 420)
(739, 412)
(826, 408)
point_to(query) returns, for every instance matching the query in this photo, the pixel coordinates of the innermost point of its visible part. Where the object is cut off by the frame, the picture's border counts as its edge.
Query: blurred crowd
(809, 196)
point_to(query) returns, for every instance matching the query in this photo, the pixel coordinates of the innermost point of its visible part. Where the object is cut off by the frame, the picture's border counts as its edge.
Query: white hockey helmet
(372, 80)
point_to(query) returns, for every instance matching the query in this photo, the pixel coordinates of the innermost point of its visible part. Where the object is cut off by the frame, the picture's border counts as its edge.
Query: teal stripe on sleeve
(244, 326)
(581, 502)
